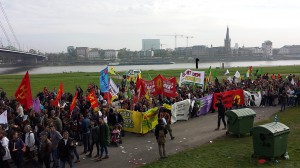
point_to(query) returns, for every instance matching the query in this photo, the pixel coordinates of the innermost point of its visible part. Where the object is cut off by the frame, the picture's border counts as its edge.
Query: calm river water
(93, 68)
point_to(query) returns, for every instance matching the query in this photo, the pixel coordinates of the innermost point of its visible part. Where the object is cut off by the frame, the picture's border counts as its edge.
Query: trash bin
(270, 140)
(240, 121)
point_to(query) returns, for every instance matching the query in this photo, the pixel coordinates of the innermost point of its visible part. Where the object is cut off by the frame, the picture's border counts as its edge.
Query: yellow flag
(147, 95)
(140, 75)
(112, 70)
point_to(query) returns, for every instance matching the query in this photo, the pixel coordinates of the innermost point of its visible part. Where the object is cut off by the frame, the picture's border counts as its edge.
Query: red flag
(169, 87)
(138, 96)
(250, 69)
(107, 96)
(158, 82)
(23, 93)
(73, 104)
(93, 100)
(59, 94)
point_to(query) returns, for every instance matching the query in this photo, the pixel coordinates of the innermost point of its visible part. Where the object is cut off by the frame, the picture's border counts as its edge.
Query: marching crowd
(50, 136)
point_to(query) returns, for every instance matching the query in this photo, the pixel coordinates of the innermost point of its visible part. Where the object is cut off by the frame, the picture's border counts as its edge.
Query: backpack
(161, 136)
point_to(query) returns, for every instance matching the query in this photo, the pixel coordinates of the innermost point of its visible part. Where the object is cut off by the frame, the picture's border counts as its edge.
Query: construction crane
(162, 45)
(187, 40)
(175, 36)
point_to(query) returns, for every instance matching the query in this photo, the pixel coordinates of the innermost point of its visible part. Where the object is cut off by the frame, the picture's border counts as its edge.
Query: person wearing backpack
(166, 117)
(160, 134)
(4, 151)
(30, 142)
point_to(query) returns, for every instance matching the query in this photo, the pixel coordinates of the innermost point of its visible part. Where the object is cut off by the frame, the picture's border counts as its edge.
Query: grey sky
(52, 25)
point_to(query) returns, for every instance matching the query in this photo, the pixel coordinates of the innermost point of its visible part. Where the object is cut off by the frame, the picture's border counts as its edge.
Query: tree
(32, 51)
(71, 51)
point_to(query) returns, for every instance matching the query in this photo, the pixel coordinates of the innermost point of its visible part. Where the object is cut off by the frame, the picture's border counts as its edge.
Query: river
(93, 68)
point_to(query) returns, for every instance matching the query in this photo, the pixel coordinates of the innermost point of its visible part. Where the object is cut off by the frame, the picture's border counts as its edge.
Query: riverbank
(40, 69)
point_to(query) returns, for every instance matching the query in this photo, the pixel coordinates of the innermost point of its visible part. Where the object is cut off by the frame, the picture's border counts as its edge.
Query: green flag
(260, 71)
(209, 74)
(215, 73)
(129, 94)
(194, 84)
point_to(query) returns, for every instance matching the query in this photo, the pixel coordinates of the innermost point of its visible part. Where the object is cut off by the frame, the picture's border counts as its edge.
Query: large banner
(132, 120)
(190, 76)
(139, 122)
(204, 104)
(229, 98)
(180, 110)
(159, 85)
(150, 118)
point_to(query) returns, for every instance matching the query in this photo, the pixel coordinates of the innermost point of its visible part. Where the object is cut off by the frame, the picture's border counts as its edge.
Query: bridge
(20, 57)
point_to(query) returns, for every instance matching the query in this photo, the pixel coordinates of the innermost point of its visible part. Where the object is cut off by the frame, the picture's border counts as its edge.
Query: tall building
(227, 43)
(267, 49)
(150, 44)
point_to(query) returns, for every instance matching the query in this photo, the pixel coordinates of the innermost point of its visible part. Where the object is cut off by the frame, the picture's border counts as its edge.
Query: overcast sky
(52, 25)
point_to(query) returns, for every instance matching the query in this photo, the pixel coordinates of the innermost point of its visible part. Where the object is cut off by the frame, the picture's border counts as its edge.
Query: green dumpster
(240, 121)
(270, 140)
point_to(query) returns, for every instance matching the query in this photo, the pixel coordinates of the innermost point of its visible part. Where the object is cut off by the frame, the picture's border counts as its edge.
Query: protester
(104, 139)
(160, 134)
(85, 128)
(29, 142)
(284, 100)
(64, 148)
(95, 139)
(45, 150)
(221, 114)
(167, 119)
(6, 156)
(55, 137)
(17, 147)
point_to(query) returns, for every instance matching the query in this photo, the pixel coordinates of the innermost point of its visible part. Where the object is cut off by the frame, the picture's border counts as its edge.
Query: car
(133, 72)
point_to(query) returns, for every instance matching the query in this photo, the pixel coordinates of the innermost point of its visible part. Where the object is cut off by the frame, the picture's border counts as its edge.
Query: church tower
(227, 43)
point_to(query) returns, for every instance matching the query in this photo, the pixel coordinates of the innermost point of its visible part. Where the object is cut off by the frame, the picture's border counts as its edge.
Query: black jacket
(112, 119)
(64, 151)
(221, 109)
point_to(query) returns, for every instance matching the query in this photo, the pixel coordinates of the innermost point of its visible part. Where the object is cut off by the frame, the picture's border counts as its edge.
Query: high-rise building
(150, 44)
(267, 49)
(227, 43)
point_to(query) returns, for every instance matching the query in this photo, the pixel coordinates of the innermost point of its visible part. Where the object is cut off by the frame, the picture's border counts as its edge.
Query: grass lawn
(231, 151)
(70, 80)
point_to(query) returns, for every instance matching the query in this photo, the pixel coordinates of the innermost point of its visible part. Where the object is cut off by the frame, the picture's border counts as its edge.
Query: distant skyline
(53, 25)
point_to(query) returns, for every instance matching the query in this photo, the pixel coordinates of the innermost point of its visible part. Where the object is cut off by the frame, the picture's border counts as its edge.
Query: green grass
(231, 151)
(70, 80)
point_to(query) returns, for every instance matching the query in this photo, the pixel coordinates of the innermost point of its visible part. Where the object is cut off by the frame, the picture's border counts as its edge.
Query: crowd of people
(50, 136)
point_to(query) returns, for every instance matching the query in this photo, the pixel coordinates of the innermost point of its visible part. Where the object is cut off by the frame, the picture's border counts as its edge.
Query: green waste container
(270, 140)
(240, 121)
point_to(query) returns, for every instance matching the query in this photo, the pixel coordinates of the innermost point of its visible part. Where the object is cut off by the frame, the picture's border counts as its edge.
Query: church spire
(227, 33)
(227, 43)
